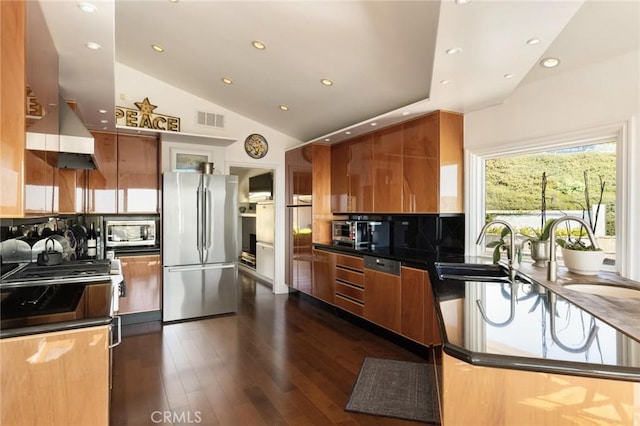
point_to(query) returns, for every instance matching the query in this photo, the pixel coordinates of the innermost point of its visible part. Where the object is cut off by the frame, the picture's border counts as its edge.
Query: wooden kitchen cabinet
(382, 299)
(58, 378)
(340, 178)
(321, 188)
(138, 174)
(420, 165)
(40, 182)
(299, 179)
(142, 276)
(102, 185)
(360, 175)
(418, 319)
(387, 170)
(323, 276)
(349, 283)
(71, 190)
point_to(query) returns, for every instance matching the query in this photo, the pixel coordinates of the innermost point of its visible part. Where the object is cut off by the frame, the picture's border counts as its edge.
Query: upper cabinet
(412, 167)
(298, 163)
(128, 180)
(138, 174)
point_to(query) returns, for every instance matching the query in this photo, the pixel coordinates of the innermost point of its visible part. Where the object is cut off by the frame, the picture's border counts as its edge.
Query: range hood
(73, 141)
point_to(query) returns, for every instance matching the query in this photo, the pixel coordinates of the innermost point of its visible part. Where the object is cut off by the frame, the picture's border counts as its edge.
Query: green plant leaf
(496, 254)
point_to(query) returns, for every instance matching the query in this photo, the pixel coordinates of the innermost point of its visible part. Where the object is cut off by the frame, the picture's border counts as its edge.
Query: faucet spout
(552, 271)
(511, 256)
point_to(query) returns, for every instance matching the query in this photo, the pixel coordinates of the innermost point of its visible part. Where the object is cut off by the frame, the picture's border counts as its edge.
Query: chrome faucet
(552, 271)
(511, 255)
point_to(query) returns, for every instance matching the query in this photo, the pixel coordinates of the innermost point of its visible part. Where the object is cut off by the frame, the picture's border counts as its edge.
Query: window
(577, 180)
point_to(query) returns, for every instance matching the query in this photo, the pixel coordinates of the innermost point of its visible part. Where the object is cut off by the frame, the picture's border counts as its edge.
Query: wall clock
(256, 146)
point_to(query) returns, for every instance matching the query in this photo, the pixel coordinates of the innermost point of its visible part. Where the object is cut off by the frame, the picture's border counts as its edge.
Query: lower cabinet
(58, 378)
(403, 304)
(143, 278)
(265, 260)
(323, 276)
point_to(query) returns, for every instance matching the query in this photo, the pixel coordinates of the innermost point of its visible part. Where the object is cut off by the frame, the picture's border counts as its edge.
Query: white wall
(175, 102)
(602, 95)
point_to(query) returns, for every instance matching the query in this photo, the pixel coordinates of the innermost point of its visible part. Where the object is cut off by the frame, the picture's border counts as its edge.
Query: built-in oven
(351, 233)
(130, 233)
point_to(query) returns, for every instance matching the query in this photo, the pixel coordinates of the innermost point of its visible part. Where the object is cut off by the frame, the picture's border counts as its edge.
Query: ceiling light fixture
(102, 111)
(284, 108)
(533, 41)
(326, 82)
(404, 114)
(87, 7)
(550, 62)
(462, 1)
(226, 80)
(93, 46)
(374, 124)
(509, 75)
(157, 48)
(174, 1)
(445, 82)
(104, 121)
(453, 50)
(347, 133)
(258, 45)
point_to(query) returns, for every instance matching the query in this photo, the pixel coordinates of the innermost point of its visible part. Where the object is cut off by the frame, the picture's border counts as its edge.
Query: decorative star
(145, 106)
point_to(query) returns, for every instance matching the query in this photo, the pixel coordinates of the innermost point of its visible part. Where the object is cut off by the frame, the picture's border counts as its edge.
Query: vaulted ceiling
(385, 58)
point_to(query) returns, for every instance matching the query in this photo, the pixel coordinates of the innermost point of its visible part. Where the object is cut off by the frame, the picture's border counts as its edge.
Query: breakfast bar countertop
(538, 325)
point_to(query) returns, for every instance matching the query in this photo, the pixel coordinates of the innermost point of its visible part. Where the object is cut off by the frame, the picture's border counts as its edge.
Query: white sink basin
(605, 290)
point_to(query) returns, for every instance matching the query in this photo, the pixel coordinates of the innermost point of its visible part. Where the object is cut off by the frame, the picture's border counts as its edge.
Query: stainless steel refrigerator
(199, 248)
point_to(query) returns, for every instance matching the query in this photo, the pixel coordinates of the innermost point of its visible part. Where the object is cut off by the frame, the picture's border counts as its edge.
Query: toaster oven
(351, 233)
(130, 233)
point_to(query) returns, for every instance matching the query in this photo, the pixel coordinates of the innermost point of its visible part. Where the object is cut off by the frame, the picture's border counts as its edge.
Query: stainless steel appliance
(199, 233)
(130, 233)
(265, 235)
(351, 233)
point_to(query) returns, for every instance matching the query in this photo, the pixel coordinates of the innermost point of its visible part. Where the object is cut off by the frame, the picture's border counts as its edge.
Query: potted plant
(539, 239)
(579, 257)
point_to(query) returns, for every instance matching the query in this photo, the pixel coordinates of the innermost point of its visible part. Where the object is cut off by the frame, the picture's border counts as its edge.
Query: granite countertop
(510, 325)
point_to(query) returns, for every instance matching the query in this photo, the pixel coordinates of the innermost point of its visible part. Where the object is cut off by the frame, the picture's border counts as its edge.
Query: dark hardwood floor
(279, 361)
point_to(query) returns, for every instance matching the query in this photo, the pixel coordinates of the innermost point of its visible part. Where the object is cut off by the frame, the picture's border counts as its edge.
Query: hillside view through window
(513, 187)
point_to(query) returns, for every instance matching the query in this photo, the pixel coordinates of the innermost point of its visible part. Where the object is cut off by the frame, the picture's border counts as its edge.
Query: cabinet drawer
(349, 276)
(349, 262)
(349, 305)
(350, 291)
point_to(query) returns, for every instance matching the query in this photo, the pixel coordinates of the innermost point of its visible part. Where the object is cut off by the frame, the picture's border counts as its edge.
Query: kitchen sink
(606, 290)
(471, 272)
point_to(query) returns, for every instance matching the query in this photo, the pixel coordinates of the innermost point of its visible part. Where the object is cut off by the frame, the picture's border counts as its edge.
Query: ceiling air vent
(210, 119)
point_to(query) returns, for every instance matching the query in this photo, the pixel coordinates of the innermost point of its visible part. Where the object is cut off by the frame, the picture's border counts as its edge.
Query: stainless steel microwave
(130, 233)
(351, 233)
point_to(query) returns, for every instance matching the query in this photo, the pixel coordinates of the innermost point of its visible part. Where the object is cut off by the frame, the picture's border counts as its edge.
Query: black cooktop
(72, 269)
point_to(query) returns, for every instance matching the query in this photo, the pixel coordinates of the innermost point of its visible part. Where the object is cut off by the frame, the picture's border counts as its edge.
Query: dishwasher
(382, 292)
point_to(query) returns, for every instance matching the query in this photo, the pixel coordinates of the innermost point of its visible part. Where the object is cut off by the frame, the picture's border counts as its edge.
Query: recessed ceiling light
(102, 111)
(284, 108)
(157, 48)
(105, 128)
(327, 140)
(104, 121)
(87, 7)
(347, 133)
(454, 50)
(462, 1)
(226, 80)
(445, 82)
(509, 75)
(406, 113)
(259, 45)
(374, 124)
(174, 1)
(93, 46)
(550, 62)
(533, 41)
(326, 82)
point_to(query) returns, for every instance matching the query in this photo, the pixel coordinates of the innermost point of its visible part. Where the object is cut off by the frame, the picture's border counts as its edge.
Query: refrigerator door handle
(200, 268)
(205, 218)
(198, 219)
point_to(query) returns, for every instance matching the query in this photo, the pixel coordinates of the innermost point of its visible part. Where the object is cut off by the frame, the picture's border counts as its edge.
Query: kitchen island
(55, 345)
(539, 352)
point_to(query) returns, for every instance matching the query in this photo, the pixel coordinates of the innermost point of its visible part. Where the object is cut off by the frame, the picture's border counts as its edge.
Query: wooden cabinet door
(360, 175)
(420, 168)
(321, 182)
(431, 329)
(143, 276)
(102, 185)
(451, 156)
(324, 276)
(138, 174)
(40, 182)
(382, 298)
(340, 178)
(387, 170)
(412, 319)
(71, 190)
